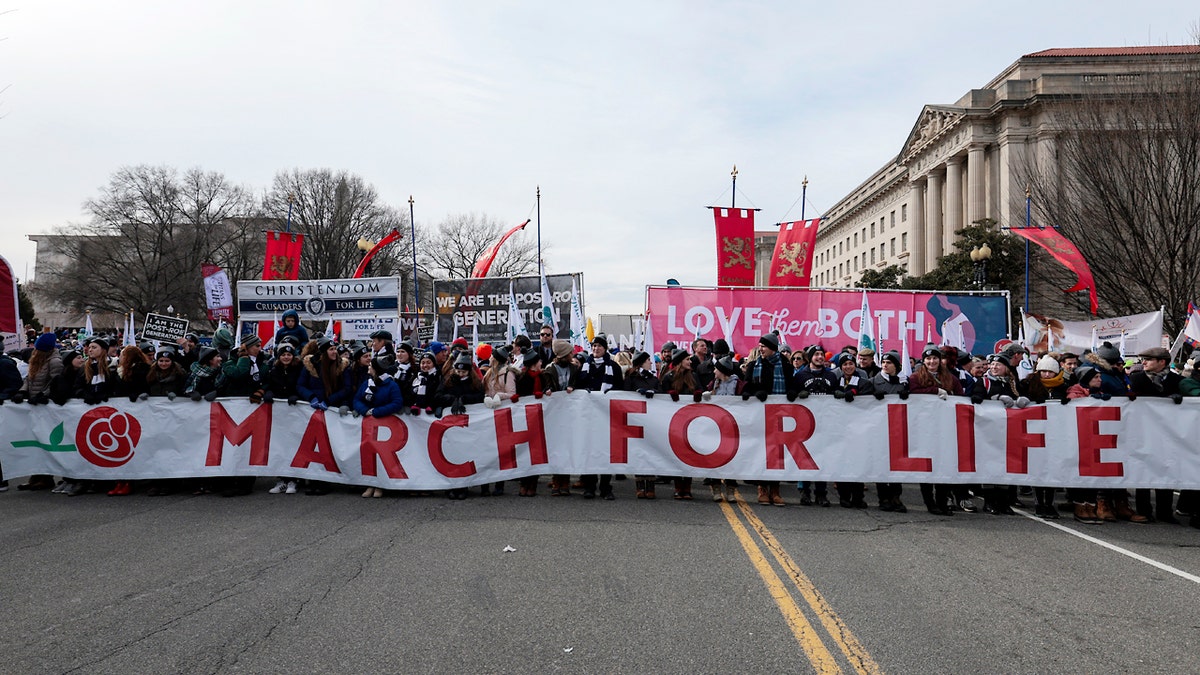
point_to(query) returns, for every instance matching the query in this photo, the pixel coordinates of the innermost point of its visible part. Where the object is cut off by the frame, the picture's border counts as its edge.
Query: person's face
(1152, 365)
(598, 350)
(163, 362)
(402, 356)
(331, 353)
(685, 364)
(798, 360)
(847, 366)
(289, 322)
(377, 343)
(932, 362)
(1070, 364)
(96, 351)
(1047, 374)
(441, 357)
(461, 369)
(77, 362)
(700, 348)
(427, 365)
(253, 350)
(866, 361)
(978, 368)
(998, 369)
(818, 360)
(888, 368)
(286, 358)
(1093, 382)
(216, 362)
(547, 336)
(365, 359)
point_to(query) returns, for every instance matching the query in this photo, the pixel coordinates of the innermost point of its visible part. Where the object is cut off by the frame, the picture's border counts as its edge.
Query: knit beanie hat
(561, 348)
(45, 342)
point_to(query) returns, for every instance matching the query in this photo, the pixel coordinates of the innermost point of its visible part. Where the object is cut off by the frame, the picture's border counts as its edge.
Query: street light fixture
(979, 258)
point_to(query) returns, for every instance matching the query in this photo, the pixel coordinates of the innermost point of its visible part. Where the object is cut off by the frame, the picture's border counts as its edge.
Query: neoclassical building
(967, 161)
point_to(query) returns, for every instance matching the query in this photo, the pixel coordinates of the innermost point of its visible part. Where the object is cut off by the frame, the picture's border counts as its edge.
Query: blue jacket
(299, 332)
(386, 401)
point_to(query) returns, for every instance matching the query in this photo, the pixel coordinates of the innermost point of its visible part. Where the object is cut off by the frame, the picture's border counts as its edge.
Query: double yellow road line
(806, 634)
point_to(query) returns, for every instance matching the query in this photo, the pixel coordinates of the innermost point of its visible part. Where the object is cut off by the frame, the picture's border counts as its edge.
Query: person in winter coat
(66, 385)
(320, 382)
(1157, 380)
(818, 378)
(222, 341)
(1046, 383)
(866, 362)
(851, 382)
(206, 377)
(246, 373)
(1000, 384)
(10, 384)
(681, 380)
(601, 373)
(932, 378)
(888, 381)
(284, 376)
(533, 381)
(405, 369)
(639, 378)
(382, 345)
(133, 371)
(1107, 360)
(563, 374)
(380, 396)
(97, 381)
(769, 374)
(424, 386)
(725, 383)
(291, 328)
(1189, 500)
(460, 387)
(1093, 506)
(166, 379)
(499, 385)
(45, 365)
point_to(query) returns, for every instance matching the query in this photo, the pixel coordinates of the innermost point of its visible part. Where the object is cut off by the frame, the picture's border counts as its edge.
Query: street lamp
(979, 258)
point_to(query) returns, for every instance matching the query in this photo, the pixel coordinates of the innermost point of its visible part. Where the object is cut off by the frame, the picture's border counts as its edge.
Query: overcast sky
(629, 115)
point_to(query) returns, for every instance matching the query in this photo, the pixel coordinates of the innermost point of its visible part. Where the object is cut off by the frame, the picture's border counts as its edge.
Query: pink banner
(830, 318)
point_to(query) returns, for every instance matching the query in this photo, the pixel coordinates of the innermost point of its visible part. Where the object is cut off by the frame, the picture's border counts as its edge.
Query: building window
(872, 256)
(903, 241)
(904, 213)
(881, 223)
(893, 249)
(882, 251)
(872, 229)
(856, 239)
(893, 218)
(855, 263)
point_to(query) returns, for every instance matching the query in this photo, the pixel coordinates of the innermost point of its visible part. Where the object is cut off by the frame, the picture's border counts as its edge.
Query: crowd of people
(382, 377)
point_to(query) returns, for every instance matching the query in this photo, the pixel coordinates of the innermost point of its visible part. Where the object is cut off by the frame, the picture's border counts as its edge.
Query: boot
(641, 489)
(1121, 511)
(650, 489)
(678, 482)
(776, 499)
(730, 493)
(1086, 514)
(1104, 512)
(763, 496)
(806, 496)
(716, 492)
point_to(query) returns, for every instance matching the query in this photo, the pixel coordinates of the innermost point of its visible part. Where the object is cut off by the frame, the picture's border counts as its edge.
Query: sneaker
(968, 506)
(280, 486)
(4, 486)
(74, 490)
(58, 489)
(291, 488)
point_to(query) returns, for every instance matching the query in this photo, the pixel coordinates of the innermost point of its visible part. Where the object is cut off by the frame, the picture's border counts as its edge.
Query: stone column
(976, 184)
(916, 232)
(933, 221)
(954, 204)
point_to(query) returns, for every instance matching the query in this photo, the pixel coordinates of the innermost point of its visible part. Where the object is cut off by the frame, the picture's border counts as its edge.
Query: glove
(1133, 397)
(268, 397)
(674, 395)
(538, 394)
(791, 395)
(458, 408)
(839, 394)
(976, 399)
(904, 394)
(942, 394)
(745, 396)
(879, 395)
(761, 395)
(133, 398)
(803, 394)
(256, 397)
(514, 398)
(211, 396)
(61, 401)
(40, 399)
(1022, 402)
(1104, 396)
(1177, 398)
(356, 414)
(1064, 400)
(429, 411)
(19, 397)
(491, 403)
(370, 412)
(293, 400)
(414, 411)
(849, 397)
(196, 396)
(343, 410)
(697, 396)
(707, 396)
(170, 396)
(91, 399)
(316, 404)
(1007, 401)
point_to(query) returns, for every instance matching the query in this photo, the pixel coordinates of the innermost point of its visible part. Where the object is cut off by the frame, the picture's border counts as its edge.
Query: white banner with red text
(1088, 443)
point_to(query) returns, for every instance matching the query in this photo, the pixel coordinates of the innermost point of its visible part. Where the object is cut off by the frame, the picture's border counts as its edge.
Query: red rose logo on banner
(106, 436)
(735, 246)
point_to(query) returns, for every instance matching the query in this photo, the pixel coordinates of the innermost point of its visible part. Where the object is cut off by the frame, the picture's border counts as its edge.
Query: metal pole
(539, 228)
(733, 196)
(291, 200)
(803, 196)
(412, 223)
(1028, 200)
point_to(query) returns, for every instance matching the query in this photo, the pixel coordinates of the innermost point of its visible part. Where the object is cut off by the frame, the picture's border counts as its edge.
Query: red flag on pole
(791, 264)
(1065, 252)
(10, 321)
(283, 256)
(392, 236)
(489, 256)
(735, 246)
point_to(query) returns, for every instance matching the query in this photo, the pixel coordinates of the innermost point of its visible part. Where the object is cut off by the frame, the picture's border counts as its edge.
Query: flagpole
(1028, 201)
(539, 227)
(803, 195)
(291, 200)
(733, 195)
(412, 224)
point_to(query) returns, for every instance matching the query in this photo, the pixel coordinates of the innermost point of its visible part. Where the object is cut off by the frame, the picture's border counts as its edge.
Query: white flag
(866, 328)
(516, 325)
(129, 331)
(474, 335)
(329, 331)
(578, 323)
(87, 326)
(905, 361)
(547, 304)
(1191, 330)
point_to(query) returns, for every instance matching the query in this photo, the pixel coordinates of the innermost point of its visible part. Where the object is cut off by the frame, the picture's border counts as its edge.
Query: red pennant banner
(9, 320)
(489, 256)
(394, 235)
(1065, 252)
(283, 256)
(791, 264)
(735, 246)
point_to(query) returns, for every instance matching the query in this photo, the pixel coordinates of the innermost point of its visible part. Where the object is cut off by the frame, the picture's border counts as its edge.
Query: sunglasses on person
(547, 334)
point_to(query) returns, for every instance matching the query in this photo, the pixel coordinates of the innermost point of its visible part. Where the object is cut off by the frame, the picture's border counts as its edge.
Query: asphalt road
(278, 583)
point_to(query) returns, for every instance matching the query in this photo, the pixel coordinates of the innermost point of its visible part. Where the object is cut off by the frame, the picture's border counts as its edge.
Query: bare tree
(1126, 190)
(151, 228)
(460, 240)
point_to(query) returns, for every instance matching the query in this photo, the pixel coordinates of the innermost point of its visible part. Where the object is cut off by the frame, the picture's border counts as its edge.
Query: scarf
(369, 392)
(1053, 382)
(605, 366)
(200, 372)
(778, 386)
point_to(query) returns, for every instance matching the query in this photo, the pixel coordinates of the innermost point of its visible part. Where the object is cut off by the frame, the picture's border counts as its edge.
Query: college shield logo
(315, 306)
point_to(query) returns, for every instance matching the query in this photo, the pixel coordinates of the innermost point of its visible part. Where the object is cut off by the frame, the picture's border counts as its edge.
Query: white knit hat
(1049, 363)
